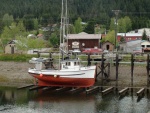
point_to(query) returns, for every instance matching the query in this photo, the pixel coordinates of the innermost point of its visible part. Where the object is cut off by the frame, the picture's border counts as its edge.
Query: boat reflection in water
(25, 101)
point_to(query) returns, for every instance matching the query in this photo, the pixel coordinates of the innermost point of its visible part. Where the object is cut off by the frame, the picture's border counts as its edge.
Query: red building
(83, 40)
(129, 36)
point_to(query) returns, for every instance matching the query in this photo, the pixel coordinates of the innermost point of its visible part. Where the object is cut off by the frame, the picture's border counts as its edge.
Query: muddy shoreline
(15, 74)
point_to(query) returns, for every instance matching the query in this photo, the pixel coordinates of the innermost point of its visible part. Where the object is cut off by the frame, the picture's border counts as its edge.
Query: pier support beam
(140, 92)
(76, 90)
(27, 86)
(123, 91)
(108, 90)
(91, 90)
(36, 88)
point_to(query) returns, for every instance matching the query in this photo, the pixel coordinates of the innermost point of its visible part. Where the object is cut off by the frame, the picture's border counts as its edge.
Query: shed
(10, 48)
(108, 46)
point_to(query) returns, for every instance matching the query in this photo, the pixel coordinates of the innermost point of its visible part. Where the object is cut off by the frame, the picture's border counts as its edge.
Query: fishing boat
(70, 72)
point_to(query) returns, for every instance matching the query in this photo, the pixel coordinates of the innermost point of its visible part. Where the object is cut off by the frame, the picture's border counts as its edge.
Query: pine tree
(144, 36)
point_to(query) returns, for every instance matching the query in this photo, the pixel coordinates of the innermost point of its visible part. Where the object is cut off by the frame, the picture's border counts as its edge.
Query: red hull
(66, 82)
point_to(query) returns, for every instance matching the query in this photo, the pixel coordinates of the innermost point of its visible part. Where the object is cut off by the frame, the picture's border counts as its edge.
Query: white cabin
(70, 64)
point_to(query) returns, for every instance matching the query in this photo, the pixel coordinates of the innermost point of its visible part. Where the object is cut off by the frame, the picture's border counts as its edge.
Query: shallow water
(24, 101)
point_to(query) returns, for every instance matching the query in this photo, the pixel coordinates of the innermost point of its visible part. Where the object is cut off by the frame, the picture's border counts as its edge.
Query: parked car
(92, 51)
(138, 50)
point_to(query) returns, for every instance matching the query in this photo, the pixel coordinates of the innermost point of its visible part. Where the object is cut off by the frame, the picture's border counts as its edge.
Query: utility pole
(116, 12)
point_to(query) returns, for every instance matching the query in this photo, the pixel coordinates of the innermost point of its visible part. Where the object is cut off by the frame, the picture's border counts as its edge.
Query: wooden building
(10, 48)
(108, 46)
(83, 40)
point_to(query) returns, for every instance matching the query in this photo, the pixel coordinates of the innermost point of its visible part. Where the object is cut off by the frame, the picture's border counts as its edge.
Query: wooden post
(50, 55)
(96, 72)
(132, 68)
(38, 53)
(89, 60)
(117, 63)
(148, 67)
(102, 68)
(108, 69)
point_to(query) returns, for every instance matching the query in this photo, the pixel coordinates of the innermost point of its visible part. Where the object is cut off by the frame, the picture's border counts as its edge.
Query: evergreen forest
(19, 18)
(48, 11)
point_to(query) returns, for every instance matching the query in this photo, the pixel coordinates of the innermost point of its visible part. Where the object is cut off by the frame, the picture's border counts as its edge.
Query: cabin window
(67, 63)
(75, 63)
(148, 45)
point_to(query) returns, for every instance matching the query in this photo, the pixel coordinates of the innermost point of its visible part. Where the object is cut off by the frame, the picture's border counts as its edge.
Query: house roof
(108, 42)
(133, 42)
(142, 30)
(84, 35)
(17, 42)
(12, 42)
(129, 34)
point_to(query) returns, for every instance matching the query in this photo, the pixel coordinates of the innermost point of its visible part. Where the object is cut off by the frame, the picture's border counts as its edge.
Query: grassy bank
(27, 57)
(16, 57)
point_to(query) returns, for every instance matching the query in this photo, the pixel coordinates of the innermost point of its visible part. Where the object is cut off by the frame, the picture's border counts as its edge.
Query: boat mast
(63, 29)
(67, 23)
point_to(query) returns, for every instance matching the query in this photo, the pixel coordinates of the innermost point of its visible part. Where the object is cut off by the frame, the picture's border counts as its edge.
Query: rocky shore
(16, 74)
